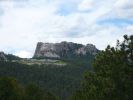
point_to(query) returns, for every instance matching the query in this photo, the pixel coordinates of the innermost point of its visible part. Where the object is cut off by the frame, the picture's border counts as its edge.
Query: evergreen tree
(33, 92)
(10, 89)
(112, 76)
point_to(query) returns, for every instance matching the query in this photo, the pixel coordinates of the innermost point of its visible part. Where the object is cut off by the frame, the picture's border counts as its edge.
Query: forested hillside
(60, 80)
(106, 76)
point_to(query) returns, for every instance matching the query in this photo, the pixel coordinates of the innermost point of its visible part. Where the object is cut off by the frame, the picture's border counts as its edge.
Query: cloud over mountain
(25, 22)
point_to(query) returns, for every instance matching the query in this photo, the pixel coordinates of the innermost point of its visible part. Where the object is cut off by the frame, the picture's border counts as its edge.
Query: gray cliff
(63, 49)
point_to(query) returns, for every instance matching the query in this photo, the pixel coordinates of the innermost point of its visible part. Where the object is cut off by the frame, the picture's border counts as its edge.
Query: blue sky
(23, 23)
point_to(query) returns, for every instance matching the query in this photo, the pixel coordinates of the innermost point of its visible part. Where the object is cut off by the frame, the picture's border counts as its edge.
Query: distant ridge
(2, 57)
(8, 57)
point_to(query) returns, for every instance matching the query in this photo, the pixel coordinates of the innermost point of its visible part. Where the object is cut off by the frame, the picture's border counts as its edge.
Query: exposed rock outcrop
(63, 49)
(2, 57)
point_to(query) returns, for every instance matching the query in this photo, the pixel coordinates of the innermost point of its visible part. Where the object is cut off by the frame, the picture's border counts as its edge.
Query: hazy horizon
(23, 23)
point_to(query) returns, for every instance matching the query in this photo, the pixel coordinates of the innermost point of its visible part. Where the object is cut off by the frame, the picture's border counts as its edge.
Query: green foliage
(61, 81)
(11, 57)
(33, 92)
(112, 75)
(11, 90)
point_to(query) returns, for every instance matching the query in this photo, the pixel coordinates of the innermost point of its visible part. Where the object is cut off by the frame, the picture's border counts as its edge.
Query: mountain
(60, 74)
(2, 57)
(64, 50)
(8, 57)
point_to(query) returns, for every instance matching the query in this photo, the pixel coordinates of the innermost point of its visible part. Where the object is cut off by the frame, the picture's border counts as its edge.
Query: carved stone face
(58, 50)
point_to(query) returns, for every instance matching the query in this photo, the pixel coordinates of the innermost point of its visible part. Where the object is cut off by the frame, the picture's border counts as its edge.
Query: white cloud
(86, 5)
(23, 24)
(24, 54)
(124, 4)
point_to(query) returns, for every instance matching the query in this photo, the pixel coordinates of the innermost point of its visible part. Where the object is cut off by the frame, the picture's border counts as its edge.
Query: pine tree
(112, 75)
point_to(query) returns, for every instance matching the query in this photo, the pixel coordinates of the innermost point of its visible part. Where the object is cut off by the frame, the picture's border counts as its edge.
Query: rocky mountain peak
(63, 49)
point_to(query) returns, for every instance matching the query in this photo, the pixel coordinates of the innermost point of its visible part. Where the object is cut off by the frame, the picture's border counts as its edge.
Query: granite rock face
(63, 49)
(2, 57)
